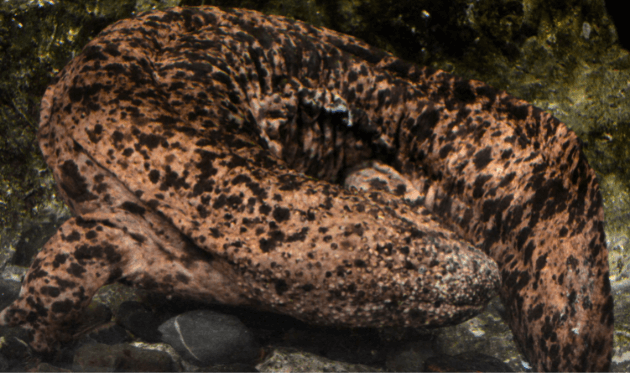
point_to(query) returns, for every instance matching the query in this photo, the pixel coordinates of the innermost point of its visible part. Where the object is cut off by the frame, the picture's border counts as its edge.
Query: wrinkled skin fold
(203, 152)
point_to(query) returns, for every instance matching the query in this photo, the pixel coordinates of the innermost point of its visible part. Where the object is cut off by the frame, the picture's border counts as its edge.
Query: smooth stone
(210, 338)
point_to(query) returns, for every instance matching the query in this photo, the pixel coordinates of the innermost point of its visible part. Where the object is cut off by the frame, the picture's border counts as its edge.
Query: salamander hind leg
(85, 254)
(100, 248)
(74, 263)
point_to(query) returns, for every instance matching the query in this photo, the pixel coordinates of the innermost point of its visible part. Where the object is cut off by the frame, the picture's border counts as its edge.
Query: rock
(45, 367)
(210, 338)
(236, 367)
(13, 344)
(95, 316)
(409, 357)
(356, 346)
(487, 332)
(109, 334)
(99, 357)
(9, 291)
(4, 364)
(291, 360)
(466, 362)
(134, 317)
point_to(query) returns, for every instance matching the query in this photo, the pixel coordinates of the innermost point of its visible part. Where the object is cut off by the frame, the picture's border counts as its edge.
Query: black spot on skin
(482, 158)
(535, 313)
(541, 262)
(478, 185)
(137, 237)
(264, 209)
(385, 249)
(445, 150)
(281, 287)
(107, 251)
(220, 202)
(180, 277)
(95, 134)
(234, 201)
(111, 49)
(63, 307)
(207, 171)
(310, 216)
(72, 237)
(400, 190)
(425, 122)
(507, 179)
(281, 214)
(85, 95)
(241, 179)
(289, 183)
(51, 291)
(39, 273)
(520, 112)
(328, 203)
(353, 229)
(352, 76)
(173, 180)
(74, 184)
(572, 262)
(527, 253)
(90, 235)
(154, 176)
(274, 239)
(341, 271)
(133, 208)
(127, 152)
(359, 263)
(203, 212)
(76, 270)
(522, 237)
(59, 260)
(298, 236)
(63, 284)
(151, 141)
(505, 154)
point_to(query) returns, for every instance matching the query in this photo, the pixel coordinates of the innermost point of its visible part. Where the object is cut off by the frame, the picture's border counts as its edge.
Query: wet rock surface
(205, 337)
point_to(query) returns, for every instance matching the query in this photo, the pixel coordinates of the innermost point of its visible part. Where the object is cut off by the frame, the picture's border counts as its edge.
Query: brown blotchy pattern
(203, 152)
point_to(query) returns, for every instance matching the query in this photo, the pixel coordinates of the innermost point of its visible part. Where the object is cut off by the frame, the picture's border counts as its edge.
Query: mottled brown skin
(203, 153)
